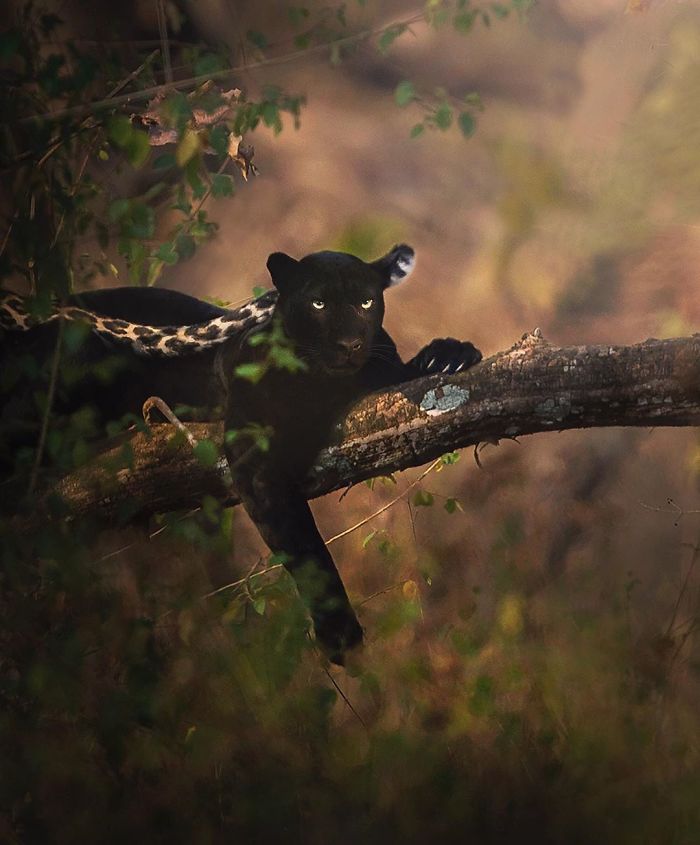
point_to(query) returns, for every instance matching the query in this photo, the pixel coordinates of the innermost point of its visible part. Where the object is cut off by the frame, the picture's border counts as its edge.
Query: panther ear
(282, 268)
(396, 265)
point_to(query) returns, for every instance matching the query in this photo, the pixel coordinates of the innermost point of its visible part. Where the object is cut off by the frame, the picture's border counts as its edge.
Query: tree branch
(532, 387)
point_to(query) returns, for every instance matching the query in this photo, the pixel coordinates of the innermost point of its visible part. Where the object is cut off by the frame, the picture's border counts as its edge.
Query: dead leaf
(242, 155)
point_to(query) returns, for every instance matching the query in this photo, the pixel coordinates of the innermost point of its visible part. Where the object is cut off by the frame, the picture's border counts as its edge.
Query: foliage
(140, 697)
(69, 172)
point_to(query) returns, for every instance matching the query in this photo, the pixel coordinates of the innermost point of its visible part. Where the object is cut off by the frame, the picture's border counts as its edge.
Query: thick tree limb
(533, 387)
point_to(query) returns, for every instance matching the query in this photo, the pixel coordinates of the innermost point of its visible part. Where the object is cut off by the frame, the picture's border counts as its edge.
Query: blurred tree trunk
(532, 387)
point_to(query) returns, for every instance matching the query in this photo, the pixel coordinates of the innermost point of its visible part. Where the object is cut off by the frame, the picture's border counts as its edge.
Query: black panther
(329, 306)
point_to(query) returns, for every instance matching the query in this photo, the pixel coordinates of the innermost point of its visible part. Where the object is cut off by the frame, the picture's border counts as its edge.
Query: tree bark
(532, 387)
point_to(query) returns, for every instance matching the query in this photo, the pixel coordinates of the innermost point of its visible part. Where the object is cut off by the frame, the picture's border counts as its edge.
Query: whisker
(383, 357)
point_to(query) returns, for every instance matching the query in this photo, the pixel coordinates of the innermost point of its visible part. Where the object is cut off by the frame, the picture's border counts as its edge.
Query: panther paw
(447, 355)
(337, 633)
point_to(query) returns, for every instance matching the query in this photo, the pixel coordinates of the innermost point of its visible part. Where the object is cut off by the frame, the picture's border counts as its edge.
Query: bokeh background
(531, 666)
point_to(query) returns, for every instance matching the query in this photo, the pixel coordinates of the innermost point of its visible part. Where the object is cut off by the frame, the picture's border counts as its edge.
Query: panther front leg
(444, 355)
(283, 517)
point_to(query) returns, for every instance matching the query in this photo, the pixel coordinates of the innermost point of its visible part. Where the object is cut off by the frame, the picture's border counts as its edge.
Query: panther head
(332, 304)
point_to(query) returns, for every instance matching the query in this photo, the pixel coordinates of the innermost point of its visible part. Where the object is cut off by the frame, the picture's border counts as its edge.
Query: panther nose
(349, 345)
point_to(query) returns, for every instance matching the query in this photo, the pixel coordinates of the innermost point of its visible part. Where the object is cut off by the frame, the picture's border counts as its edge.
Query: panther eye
(318, 304)
(367, 304)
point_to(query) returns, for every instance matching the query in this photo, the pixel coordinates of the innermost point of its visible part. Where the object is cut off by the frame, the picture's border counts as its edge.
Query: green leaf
(467, 123)
(464, 21)
(285, 359)
(176, 109)
(189, 146)
(206, 453)
(474, 99)
(443, 116)
(250, 372)
(119, 129)
(202, 228)
(164, 162)
(259, 605)
(368, 539)
(257, 38)
(135, 255)
(449, 458)
(404, 93)
(185, 246)
(193, 178)
(417, 130)
(390, 34)
(218, 138)
(208, 63)
(440, 18)
(142, 220)
(262, 441)
(117, 209)
(452, 505)
(155, 268)
(181, 202)
(221, 185)
(271, 116)
(258, 339)
(423, 499)
(166, 252)
(75, 334)
(137, 149)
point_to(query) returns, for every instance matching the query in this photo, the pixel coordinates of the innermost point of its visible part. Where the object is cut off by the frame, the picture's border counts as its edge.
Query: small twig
(155, 402)
(690, 625)
(674, 509)
(684, 587)
(47, 411)
(164, 46)
(344, 697)
(248, 577)
(385, 590)
(683, 639)
(151, 536)
(194, 81)
(7, 235)
(345, 492)
(134, 73)
(88, 123)
(412, 517)
(241, 582)
(386, 507)
(72, 191)
(207, 193)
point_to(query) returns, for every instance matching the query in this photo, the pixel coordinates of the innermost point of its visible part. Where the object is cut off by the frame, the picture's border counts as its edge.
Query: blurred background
(531, 650)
